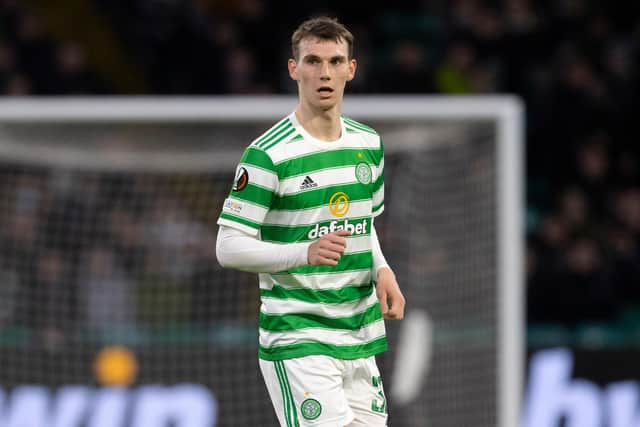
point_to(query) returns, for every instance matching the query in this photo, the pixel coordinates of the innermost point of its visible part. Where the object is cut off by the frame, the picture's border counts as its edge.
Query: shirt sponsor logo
(356, 228)
(339, 204)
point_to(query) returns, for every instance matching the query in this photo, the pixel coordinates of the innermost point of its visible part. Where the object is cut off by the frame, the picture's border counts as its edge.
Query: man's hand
(391, 299)
(328, 249)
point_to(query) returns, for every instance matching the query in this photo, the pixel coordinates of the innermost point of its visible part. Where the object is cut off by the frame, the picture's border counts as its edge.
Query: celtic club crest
(363, 173)
(310, 409)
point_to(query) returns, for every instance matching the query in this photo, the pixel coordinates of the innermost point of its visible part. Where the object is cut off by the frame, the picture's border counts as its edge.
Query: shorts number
(379, 405)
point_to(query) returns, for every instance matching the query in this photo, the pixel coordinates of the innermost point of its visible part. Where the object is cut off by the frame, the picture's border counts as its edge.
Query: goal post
(109, 209)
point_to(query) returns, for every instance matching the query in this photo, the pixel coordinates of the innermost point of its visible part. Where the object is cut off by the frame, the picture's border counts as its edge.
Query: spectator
(7, 63)
(455, 75)
(408, 72)
(18, 85)
(73, 75)
(53, 300)
(107, 294)
(585, 292)
(36, 54)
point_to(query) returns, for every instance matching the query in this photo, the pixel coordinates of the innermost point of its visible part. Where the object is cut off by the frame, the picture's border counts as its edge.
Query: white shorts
(321, 391)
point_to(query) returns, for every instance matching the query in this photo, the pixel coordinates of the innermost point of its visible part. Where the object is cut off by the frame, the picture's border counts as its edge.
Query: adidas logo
(308, 183)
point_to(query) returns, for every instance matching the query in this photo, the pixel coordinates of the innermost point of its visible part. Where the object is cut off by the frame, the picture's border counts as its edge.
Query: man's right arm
(241, 251)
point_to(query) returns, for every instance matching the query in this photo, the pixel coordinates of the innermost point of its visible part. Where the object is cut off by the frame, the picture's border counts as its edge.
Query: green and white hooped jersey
(291, 187)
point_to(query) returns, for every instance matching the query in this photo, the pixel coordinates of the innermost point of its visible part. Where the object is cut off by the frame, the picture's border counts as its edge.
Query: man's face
(322, 71)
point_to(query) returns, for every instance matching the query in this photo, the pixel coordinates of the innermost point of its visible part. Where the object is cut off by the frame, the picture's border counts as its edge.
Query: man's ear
(353, 65)
(292, 65)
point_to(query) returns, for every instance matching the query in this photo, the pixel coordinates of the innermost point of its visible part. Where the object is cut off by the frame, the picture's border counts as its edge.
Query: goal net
(115, 313)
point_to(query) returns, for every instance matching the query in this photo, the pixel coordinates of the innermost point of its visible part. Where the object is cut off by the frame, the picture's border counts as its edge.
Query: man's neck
(322, 125)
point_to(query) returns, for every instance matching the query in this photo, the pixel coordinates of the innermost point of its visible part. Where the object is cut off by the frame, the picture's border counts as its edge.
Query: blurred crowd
(112, 256)
(34, 62)
(574, 63)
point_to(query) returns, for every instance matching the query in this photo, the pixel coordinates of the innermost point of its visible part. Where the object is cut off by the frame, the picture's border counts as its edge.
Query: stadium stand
(574, 63)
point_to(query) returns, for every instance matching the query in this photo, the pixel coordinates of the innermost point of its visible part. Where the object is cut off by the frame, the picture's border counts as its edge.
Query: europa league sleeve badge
(241, 180)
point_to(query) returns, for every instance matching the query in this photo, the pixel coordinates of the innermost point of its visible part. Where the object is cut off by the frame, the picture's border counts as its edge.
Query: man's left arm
(392, 301)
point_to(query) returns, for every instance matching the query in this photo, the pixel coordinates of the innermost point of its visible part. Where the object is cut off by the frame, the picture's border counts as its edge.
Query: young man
(301, 213)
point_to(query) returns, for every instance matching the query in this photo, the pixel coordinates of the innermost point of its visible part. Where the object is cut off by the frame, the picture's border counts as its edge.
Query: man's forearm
(379, 260)
(238, 250)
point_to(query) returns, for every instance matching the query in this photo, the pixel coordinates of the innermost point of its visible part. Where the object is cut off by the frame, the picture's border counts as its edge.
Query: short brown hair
(323, 28)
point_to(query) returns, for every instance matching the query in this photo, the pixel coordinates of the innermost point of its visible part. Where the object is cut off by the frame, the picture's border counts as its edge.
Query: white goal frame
(508, 112)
